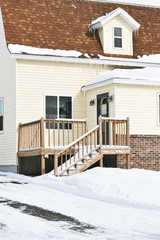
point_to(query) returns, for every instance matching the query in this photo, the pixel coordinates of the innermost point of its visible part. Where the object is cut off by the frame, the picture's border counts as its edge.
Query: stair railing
(77, 150)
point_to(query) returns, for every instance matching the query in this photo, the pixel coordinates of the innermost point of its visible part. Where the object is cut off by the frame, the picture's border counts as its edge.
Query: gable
(62, 26)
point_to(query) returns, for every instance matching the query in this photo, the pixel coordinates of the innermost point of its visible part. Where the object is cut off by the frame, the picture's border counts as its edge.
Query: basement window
(1, 114)
(117, 37)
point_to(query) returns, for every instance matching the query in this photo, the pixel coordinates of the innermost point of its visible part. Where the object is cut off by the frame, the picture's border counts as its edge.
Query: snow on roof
(18, 49)
(99, 22)
(145, 76)
(148, 73)
(150, 58)
(155, 3)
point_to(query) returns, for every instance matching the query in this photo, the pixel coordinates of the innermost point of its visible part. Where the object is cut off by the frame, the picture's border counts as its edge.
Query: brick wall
(145, 152)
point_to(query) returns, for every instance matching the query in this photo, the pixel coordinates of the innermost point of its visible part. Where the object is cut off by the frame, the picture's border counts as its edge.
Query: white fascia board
(107, 61)
(120, 81)
(123, 14)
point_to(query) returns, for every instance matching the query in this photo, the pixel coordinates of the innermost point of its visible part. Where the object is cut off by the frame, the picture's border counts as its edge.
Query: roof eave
(108, 61)
(119, 80)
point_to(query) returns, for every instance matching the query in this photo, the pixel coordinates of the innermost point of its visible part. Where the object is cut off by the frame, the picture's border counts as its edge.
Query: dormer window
(115, 30)
(117, 37)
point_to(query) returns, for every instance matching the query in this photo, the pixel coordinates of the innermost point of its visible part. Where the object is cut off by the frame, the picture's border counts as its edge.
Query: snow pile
(121, 204)
(155, 3)
(18, 49)
(110, 185)
(148, 73)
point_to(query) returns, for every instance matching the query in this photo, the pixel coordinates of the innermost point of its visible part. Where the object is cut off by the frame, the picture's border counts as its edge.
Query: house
(62, 62)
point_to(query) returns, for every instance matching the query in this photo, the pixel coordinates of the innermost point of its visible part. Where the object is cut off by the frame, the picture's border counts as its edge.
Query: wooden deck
(63, 138)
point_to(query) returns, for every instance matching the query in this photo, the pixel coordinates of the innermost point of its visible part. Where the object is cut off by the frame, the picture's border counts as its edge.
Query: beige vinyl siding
(140, 104)
(92, 110)
(8, 93)
(108, 37)
(38, 78)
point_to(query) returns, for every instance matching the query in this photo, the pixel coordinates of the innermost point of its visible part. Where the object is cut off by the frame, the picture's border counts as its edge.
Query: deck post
(42, 132)
(100, 132)
(101, 162)
(55, 163)
(19, 165)
(42, 165)
(127, 133)
(128, 158)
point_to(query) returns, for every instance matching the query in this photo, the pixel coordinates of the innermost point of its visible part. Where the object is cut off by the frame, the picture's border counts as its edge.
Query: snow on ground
(121, 204)
(155, 3)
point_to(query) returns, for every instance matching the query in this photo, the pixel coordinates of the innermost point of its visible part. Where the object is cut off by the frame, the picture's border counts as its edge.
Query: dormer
(116, 32)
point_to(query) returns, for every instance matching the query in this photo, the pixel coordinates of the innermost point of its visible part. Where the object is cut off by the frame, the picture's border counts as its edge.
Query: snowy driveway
(113, 205)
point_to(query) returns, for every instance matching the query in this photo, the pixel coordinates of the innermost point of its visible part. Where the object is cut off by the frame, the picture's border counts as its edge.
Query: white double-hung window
(117, 37)
(1, 114)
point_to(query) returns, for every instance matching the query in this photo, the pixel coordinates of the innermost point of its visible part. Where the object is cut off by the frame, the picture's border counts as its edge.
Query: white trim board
(106, 61)
(120, 81)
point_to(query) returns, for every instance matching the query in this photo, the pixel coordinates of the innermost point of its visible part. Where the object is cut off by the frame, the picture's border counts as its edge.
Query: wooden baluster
(70, 156)
(61, 162)
(100, 132)
(72, 131)
(66, 158)
(58, 126)
(42, 132)
(83, 147)
(68, 132)
(127, 133)
(54, 133)
(78, 150)
(105, 132)
(63, 134)
(49, 133)
(91, 142)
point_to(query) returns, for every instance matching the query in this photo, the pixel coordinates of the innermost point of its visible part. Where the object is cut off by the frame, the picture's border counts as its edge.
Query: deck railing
(50, 133)
(115, 131)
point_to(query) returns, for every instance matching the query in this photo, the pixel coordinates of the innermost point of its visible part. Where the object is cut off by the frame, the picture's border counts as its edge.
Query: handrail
(79, 139)
(77, 150)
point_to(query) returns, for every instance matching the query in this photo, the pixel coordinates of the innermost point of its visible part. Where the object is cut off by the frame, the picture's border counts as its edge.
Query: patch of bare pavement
(73, 224)
(35, 211)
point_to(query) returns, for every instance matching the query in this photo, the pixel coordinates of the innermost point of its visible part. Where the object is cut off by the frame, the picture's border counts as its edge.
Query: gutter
(107, 61)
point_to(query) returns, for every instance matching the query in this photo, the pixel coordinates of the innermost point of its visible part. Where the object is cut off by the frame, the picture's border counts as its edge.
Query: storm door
(103, 110)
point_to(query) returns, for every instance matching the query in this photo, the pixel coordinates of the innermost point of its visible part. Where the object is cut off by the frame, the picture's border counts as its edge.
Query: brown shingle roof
(63, 24)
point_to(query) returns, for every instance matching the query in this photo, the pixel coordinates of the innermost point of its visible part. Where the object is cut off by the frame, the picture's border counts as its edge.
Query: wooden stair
(79, 155)
(80, 165)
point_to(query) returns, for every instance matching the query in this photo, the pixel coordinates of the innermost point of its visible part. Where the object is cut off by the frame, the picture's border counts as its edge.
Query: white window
(1, 114)
(58, 107)
(117, 37)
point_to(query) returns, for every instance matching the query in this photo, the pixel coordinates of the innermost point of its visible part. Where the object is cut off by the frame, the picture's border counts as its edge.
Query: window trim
(114, 47)
(2, 99)
(58, 96)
